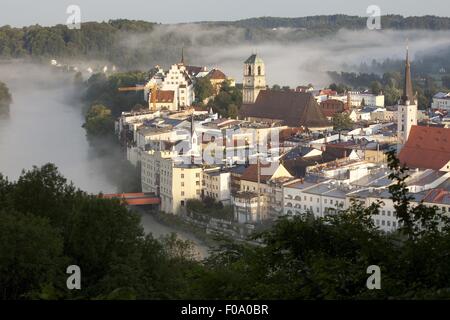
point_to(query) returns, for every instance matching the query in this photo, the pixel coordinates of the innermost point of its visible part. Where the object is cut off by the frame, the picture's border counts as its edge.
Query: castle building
(175, 86)
(254, 79)
(407, 108)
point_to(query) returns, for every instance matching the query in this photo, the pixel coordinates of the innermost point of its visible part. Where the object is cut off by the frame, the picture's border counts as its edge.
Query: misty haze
(44, 125)
(330, 177)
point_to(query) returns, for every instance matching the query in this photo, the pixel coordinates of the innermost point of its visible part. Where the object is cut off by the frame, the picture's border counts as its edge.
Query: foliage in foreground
(46, 225)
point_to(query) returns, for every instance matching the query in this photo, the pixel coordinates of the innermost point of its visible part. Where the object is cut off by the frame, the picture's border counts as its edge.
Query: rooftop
(253, 59)
(293, 108)
(433, 142)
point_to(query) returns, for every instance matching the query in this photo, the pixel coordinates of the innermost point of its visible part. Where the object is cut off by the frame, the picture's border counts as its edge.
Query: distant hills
(132, 44)
(339, 21)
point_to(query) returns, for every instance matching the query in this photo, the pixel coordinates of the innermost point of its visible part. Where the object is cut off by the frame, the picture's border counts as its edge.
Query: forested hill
(131, 44)
(93, 38)
(338, 21)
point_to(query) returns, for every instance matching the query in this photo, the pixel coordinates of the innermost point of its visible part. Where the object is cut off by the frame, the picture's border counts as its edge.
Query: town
(231, 159)
(284, 153)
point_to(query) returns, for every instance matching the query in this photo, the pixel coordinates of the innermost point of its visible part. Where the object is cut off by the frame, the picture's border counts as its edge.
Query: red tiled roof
(165, 96)
(327, 92)
(437, 196)
(332, 106)
(287, 133)
(251, 173)
(329, 113)
(216, 74)
(426, 148)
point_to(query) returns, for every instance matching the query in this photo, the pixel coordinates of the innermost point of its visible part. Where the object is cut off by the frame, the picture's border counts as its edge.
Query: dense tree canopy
(341, 121)
(203, 89)
(390, 84)
(228, 101)
(99, 121)
(5, 96)
(103, 89)
(47, 224)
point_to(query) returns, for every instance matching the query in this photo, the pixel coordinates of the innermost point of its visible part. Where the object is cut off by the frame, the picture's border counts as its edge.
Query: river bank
(159, 225)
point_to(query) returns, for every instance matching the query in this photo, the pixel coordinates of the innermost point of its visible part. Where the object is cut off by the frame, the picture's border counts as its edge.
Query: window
(197, 175)
(249, 70)
(182, 193)
(182, 176)
(182, 184)
(182, 203)
(259, 70)
(383, 222)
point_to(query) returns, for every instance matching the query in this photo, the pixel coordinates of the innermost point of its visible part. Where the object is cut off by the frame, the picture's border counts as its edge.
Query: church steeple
(408, 95)
(182, 55)
(407, 107)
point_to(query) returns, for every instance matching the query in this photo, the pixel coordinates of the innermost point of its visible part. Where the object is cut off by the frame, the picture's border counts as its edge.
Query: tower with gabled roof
(254, 79)
(407, 107)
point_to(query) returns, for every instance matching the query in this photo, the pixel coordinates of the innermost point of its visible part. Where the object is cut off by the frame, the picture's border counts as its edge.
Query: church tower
(407, 107)
(254, 79)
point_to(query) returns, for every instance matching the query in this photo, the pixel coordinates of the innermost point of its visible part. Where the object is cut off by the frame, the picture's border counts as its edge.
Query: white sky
(50, 12)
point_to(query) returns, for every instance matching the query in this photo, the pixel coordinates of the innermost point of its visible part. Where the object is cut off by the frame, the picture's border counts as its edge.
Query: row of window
(311, 199)
(386, 223)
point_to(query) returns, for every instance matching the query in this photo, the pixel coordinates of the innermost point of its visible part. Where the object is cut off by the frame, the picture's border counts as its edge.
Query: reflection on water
(44, 125)
(157, 229)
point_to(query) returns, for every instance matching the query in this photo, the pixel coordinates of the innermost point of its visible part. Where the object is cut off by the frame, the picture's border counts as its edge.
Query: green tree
(99, 121)
(341, 121)
(446, 81)
(363, 103)
(5, 96)
(391, 95)
(203, 89)
(31, 254)
(227, 101)
(376, 87)
(276, 87)
(46, 226)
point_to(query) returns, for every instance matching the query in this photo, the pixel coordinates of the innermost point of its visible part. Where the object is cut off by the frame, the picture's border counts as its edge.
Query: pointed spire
(182, 55)
(408, 94)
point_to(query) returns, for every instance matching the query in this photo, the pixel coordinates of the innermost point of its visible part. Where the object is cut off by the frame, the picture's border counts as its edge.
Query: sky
(50, 12)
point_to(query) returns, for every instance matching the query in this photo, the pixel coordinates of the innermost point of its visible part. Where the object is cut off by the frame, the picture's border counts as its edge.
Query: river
(44, 125)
